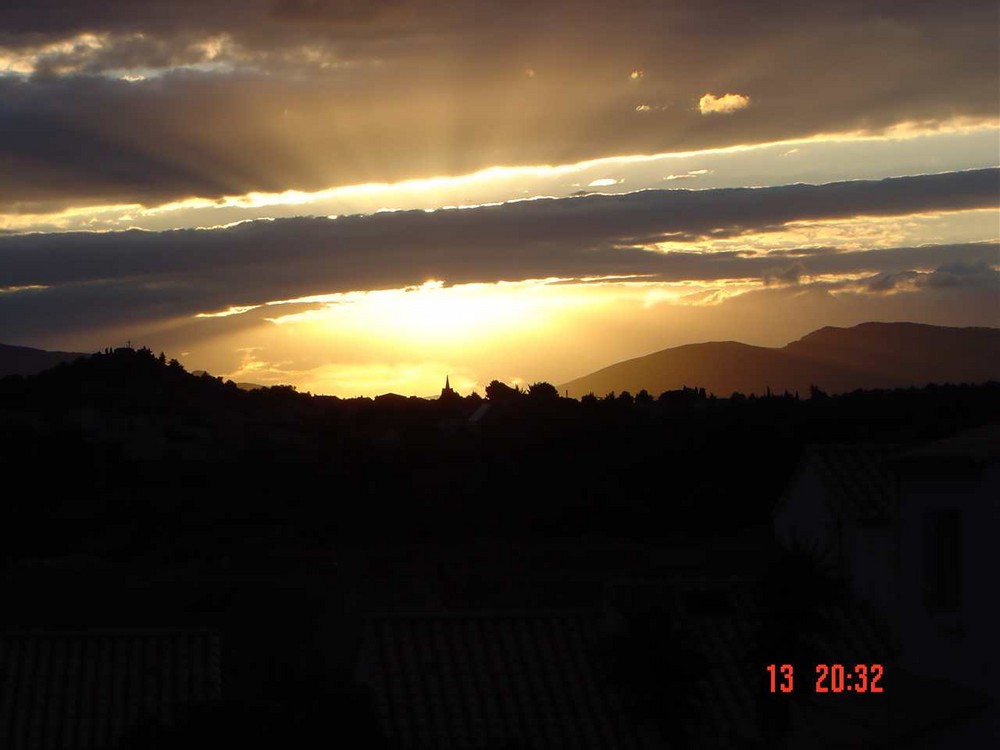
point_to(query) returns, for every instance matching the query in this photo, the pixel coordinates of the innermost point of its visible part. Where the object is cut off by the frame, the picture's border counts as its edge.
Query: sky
(362, 196)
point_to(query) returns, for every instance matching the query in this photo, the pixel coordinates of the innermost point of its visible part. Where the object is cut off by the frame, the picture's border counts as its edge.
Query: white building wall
(963, 646)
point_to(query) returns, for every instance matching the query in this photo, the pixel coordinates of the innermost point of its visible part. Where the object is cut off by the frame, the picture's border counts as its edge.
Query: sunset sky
(360, 196)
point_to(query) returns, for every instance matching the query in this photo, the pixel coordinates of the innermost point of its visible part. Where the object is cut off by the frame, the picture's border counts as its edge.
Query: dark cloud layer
(56, 18)
(96, 280)
(310, 93)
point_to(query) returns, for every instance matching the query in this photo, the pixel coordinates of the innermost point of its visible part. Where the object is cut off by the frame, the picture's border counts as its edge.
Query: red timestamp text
(830, 678)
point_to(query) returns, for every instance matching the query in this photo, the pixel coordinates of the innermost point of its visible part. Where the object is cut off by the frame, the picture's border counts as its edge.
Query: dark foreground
(186, 564)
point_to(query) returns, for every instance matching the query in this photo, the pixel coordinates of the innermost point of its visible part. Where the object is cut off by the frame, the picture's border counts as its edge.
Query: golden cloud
(726, 104)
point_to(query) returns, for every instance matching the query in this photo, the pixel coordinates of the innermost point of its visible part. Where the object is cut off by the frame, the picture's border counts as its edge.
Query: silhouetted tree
(542, 392)
(794, 589)
(643, 397)
(497, 391)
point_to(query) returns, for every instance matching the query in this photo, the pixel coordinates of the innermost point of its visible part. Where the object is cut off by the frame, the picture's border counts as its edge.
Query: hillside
(140, 458)
(23, 360)
(837, 360)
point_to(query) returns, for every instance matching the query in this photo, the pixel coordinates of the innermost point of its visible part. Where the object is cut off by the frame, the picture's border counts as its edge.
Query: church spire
(447, 392)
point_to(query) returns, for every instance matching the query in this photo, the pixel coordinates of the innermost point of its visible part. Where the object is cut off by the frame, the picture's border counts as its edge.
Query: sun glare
(432, 313)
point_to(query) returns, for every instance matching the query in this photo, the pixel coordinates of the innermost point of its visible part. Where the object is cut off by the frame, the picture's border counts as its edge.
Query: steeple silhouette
(446, 392)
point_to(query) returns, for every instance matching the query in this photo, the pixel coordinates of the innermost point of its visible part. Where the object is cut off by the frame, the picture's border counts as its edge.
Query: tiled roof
(474, 680)
(724, 624)
(859, 478)
(981, 445)
(466, 680)
(84, 689)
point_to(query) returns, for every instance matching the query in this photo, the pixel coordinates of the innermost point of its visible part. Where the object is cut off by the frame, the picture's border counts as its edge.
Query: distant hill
(837, 360)
(23, 360)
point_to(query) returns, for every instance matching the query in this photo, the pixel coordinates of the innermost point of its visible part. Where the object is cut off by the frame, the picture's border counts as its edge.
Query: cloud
(81, 281)
(382, 90)
(329, 11)
(789, 274)
(689, 175)
(888, 282)
(964, 274)
(725, 104)
(967, 276)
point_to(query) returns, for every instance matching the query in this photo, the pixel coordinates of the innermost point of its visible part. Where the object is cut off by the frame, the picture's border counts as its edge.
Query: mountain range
(836, 360)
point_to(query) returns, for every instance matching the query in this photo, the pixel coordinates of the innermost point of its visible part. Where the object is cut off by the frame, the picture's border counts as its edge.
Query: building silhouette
(447, 393)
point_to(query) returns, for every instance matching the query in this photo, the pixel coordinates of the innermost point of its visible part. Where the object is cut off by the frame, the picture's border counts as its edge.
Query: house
(914, 530)
(948, 556)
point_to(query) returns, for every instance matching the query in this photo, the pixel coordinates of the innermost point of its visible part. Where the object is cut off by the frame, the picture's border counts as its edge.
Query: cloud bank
(80, 281)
